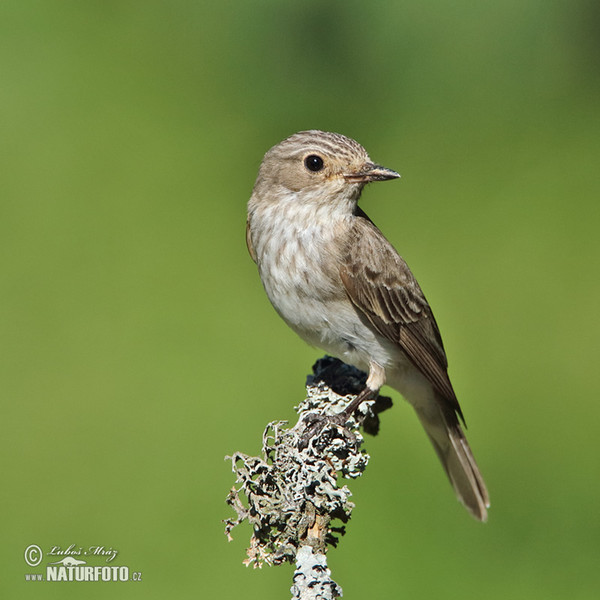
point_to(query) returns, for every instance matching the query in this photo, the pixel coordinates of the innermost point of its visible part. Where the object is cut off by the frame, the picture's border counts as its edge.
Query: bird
(337, 282)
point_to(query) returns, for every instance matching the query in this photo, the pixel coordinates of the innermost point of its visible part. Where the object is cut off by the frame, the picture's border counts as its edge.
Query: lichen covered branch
(291, 494)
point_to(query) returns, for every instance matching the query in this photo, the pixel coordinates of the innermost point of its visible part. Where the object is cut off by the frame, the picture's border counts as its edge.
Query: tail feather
(451, 445)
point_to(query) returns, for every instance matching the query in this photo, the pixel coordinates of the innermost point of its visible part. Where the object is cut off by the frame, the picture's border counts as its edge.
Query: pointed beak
(370, 172)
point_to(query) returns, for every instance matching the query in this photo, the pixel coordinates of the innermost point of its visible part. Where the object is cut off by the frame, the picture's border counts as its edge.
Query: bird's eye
(313, 163)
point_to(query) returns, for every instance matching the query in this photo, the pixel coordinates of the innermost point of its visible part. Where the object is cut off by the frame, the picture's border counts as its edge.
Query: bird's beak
(370, 172)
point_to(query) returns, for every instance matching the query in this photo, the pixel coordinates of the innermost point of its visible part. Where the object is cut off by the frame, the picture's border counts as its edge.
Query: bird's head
(315, 167)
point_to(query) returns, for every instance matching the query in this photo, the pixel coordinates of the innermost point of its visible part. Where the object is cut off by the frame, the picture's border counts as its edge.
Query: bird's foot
(316, 423)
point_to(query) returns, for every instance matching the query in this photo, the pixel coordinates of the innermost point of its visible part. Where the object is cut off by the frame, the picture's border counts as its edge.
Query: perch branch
(291, 495)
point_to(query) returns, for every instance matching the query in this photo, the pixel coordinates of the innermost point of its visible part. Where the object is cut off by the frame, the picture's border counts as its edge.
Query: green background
(138, 348)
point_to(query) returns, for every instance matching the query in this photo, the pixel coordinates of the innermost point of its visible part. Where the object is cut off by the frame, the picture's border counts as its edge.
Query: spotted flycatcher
(340, 285)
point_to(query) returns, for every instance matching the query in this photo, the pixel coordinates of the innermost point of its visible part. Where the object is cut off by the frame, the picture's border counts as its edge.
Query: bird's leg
(366, 394)
(375, 380)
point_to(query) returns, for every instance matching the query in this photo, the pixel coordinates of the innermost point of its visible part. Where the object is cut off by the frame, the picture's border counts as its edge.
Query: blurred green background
(138, 347)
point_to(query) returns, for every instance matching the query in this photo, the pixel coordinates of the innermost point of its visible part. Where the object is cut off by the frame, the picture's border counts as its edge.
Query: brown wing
(382, 287)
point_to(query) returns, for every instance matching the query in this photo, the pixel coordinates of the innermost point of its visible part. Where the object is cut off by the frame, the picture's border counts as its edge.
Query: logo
(33, 555)
(76, 563)
(69, 561)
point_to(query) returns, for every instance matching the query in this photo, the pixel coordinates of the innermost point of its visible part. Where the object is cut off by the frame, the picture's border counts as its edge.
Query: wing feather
(380, 284)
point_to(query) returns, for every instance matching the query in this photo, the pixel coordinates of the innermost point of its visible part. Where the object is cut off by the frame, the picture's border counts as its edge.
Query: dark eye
(313, 163)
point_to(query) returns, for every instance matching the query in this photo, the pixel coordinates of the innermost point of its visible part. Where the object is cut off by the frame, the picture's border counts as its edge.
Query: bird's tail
(451, 445)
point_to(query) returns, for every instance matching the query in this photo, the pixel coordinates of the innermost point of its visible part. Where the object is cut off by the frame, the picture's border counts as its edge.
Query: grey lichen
(291, 494)
(312, 578)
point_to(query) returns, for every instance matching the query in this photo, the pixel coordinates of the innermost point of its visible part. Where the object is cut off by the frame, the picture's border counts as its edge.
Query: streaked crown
(330, 144)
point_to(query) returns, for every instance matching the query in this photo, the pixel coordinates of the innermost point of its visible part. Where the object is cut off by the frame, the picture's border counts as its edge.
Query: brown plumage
(335, 279)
